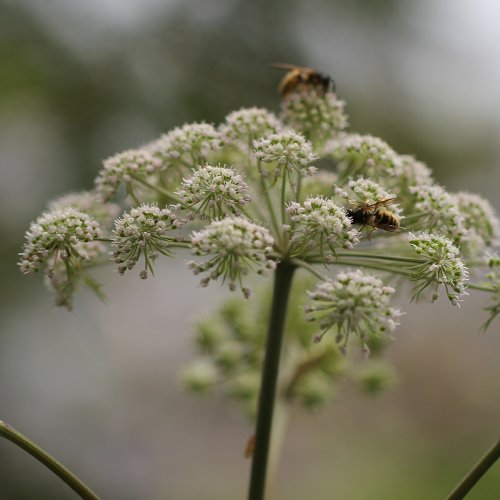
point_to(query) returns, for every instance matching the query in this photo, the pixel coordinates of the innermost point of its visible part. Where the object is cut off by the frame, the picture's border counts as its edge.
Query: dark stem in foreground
(50, 462)
(476, 473)
(282, 284)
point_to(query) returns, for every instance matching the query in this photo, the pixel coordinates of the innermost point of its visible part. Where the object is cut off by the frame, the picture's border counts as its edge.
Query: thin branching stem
(165, 192)
(476, 473)
(81, 489)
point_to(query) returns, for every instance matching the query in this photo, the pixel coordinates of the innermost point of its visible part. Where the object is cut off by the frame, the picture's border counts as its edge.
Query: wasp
(376, 215)
(299, 79)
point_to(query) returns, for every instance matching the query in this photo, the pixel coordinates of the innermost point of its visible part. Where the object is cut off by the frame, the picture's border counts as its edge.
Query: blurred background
(98, 387)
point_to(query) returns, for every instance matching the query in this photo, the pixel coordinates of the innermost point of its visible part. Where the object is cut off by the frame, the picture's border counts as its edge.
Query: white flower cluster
(354, 302)
(213, 191)
(319, 222)
(412, 172)
(122, 168)
(440, 210)
(362, 155)
(56, 235)
(480, 219)
(442, 266)
(317, 116)
(289, 150)
(364, 191)
(245, 125)
(236, 246)
(89, 202)
(145, 230)
(192, 144)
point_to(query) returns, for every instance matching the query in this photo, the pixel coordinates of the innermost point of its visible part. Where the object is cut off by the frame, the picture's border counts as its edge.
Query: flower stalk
(282, 285)
(476, 473)
(81, 489)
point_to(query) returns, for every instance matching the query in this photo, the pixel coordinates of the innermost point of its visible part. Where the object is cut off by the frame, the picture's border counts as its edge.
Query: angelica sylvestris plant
(245, 198)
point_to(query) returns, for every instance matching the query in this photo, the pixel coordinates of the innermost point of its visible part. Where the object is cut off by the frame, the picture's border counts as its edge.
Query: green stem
(165, 192)
(283, 194)
(481, 288)
(265, 193)
(476, 473)
(282, 285)
(375, 267)
(50, 462)
(310, 268)
(354, 263)
(369, 255)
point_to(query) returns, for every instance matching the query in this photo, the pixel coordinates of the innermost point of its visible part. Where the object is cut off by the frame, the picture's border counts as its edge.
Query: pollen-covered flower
(317, 116)
(123, 168)
(479, 218)
(145, 230)
(289, 150)
(214, 191)
(354, 302)
(320, 223)
(442, 266)
(235, 246)
(89, 202)
(245, 125)
(56, 235)
(440, 211)
(362, 155)
(191, 144)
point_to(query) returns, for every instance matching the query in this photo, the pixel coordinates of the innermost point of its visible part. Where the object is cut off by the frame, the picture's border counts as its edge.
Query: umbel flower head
(214, 191)
(56, 235)
(442, 266)
(192, 144)
(144, 230)
(364, 191)
(245, 125)
(412, 172)
(320, 224)
(123, 168)
(317, 116)
(236, 246)
(287, 149)
(440, 210)
(89, 202)
(362, 155)
(354, 302)
(479, 218)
